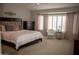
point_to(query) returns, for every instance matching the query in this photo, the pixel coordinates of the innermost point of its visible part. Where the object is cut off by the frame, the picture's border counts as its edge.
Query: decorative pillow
(12, 28)
(16, 28)
(8, 28)
(2, 28)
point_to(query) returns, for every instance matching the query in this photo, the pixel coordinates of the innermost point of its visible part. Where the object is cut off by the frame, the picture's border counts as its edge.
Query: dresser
(28, 25)
(76, 47)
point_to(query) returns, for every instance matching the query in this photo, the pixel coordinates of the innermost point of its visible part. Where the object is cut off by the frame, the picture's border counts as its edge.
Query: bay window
(56, 22)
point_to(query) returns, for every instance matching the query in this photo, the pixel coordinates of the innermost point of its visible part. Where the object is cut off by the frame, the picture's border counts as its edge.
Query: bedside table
(59, 35)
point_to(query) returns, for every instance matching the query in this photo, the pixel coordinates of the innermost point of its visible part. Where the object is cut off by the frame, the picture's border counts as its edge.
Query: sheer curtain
(57, 22)
(36, 22)
(77, 26)
(69, 25)
(49, 22)
(45, 24)
(41, 23)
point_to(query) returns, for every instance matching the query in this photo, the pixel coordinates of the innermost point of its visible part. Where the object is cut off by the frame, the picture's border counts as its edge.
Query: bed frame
(14, 21)
(3, 42)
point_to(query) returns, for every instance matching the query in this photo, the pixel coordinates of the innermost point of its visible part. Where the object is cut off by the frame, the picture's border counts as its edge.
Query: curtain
(69, 25)
(45, 24)
(36, 22)
(77, 26)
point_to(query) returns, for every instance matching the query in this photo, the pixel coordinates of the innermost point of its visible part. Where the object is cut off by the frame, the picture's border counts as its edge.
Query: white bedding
(21, 37)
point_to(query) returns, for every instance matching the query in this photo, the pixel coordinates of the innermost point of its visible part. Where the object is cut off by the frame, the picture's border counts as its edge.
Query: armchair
(51, 33)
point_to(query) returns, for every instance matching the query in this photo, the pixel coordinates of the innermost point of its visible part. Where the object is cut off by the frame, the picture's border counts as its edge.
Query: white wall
(20, 11)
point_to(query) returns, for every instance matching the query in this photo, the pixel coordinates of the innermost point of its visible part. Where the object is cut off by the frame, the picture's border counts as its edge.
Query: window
(41, 22)
(63, 23)
(50, 22)
(57, 22)
(54, 20)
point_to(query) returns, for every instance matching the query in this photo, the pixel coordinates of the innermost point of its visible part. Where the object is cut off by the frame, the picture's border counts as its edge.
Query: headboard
(6, 21)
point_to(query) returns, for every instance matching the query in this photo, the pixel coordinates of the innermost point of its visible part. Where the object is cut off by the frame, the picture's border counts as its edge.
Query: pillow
(2, 28)
(16, 28)
(8, 28)
(12, 28)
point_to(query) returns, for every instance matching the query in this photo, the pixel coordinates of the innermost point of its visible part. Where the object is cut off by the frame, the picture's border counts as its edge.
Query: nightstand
(59, 35)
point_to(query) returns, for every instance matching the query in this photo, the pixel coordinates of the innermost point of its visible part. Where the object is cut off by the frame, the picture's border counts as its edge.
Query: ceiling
(41, 6)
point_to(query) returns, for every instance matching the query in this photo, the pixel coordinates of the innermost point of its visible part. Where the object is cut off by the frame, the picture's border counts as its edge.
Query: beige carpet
(46, 47)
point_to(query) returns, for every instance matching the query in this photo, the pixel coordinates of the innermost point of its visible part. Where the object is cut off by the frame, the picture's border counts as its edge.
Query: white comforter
(21, 37)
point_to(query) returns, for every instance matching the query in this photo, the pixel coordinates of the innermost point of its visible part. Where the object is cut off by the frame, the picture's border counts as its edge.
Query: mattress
(21, 37)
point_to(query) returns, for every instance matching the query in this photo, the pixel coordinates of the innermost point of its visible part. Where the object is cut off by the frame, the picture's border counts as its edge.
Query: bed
(11, 31)
(0, 38)
(21, 37)
(0, 35)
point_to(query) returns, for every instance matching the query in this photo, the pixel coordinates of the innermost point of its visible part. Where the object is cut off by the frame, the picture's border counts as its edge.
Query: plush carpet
(46, 47)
